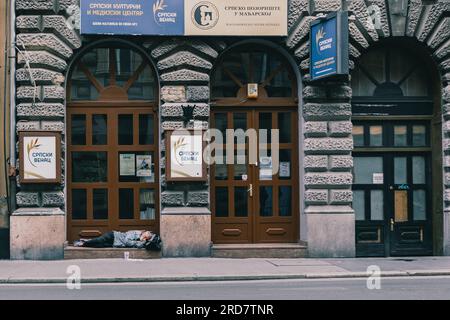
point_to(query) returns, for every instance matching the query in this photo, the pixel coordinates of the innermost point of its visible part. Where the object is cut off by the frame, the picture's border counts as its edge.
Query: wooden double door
(392, 202)
(112, 171)
(256, 202)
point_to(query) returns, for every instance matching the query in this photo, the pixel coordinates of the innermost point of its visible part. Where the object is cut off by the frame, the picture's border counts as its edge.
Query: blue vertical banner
(132, 17)
(329, 46)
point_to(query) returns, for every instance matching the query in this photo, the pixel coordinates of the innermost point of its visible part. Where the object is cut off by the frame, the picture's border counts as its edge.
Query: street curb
(354, 275)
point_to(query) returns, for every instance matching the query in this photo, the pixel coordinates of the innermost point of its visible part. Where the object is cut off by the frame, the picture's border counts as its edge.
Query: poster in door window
(143, 166)
(127, 161)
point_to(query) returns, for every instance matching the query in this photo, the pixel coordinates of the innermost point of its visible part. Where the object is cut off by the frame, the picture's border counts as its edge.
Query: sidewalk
(213, 269)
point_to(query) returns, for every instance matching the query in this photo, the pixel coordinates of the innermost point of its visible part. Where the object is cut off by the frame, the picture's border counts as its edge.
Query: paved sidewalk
(213, 269)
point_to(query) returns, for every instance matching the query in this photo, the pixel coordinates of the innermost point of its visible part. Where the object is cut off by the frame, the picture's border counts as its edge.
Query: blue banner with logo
(329, 46)
(132, 17)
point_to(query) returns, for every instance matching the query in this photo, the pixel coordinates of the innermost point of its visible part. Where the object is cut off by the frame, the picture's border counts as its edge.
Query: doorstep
(71, 253)
(260, 250)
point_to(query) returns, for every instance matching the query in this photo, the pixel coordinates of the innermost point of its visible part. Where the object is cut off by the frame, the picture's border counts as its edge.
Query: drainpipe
(12, 110)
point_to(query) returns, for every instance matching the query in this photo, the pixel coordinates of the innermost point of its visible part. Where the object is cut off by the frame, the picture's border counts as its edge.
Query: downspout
(12, 110)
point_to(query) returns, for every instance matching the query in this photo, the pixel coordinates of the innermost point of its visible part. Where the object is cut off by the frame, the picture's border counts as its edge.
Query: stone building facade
(184, 67)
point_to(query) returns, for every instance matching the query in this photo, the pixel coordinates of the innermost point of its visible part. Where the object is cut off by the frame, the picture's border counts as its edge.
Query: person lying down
(116, 239)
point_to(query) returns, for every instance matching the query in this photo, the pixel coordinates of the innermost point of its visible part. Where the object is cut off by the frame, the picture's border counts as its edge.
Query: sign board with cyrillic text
(40, 157)
(329, 46)
(185, 17)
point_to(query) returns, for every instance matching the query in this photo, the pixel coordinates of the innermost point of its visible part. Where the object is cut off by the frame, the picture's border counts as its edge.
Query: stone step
(266, 250)
(71, 253)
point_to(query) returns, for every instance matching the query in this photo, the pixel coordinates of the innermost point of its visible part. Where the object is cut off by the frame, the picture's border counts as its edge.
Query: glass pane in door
(376, 205)
(418, 164)
(221, 197)
(265, 201)
(359, 204)
(240, 202)
(99, 129)
(400, 170)
(419, 205)
(285, 201)
(126, 203)
(365, 167)
(100, 199)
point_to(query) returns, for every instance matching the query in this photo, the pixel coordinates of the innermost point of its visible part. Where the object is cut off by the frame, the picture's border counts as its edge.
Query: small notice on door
(378, 178)
(127, 162)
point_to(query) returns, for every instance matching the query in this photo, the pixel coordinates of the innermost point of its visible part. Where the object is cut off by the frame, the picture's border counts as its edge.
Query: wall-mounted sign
(185, 17)
(236, 17)
(132, 17)
(329, 46)
(40, 157)
(184, 159)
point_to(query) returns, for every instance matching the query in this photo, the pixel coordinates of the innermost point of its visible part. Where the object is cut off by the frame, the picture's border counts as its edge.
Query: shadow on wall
(4, 230)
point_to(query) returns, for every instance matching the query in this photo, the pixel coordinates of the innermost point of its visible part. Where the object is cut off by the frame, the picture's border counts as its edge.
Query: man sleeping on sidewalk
(116, 239)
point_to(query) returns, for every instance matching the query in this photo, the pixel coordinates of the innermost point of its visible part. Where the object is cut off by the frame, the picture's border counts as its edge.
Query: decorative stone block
(172, 110)
(341, 196)
(28, 125)
(172, 125)
(316, 163)
(327, 179)
(53, 199)
(328, 145)
(27, 199)
(341, 163)
(316, 196)
(44, 40)
(327, 111)
(42, 59)
(197, 93)
(316, 129)
(340, 128)
(182, 58)
(185, 75)
(40, 110)
(52, 126)
(173, 94)
(197, 199)
(172, 198)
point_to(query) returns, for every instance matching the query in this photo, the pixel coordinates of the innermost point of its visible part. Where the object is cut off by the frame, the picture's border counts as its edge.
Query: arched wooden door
(112, 144)
(249, 203)
(394, 138)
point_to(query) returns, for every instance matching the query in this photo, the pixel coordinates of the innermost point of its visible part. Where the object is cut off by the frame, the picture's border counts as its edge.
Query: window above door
(247, 65)
(112, 73)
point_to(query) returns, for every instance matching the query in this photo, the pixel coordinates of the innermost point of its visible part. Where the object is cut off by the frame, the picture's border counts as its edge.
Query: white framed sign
(184, 161)
(40, 157)
(236, 17)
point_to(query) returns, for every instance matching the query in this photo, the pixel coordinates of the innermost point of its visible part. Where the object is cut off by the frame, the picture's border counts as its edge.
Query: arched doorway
(253, 202)
(394, 172)
(112, 143)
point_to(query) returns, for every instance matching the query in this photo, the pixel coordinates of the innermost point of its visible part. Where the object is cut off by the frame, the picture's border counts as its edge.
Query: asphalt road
(330, 289)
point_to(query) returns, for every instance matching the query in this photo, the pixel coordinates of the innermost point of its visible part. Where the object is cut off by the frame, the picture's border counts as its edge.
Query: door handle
(392, 224)
(250, 190)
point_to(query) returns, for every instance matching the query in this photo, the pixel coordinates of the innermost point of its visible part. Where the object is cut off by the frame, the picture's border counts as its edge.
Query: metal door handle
(250, 190)
(392, 224)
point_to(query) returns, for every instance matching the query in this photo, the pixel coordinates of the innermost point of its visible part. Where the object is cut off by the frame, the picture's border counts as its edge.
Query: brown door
(249, 204)
(113, 181)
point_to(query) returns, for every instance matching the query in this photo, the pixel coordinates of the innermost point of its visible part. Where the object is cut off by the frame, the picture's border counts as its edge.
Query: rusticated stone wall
(184, 66)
